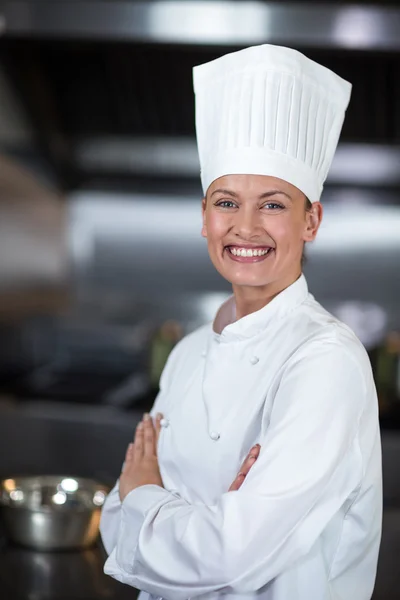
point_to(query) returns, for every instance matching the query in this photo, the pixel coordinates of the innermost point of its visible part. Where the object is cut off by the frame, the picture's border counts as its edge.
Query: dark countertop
(30, 575)
(91, 442)
(54, 438)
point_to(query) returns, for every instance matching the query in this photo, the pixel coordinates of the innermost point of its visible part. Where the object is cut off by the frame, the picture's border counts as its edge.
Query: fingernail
(159, 416)
(146, 416)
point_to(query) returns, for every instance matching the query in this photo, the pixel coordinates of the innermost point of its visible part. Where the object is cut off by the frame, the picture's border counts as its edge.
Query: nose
(248, 223)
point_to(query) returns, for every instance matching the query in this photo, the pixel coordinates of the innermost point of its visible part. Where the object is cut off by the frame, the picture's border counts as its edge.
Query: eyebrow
(268, 194)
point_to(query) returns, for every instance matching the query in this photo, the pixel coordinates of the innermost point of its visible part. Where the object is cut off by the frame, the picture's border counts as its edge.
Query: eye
(225, 204)
(273, 206)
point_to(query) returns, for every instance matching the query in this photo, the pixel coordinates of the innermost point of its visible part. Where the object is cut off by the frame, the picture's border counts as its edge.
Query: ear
(313, 221)
(203, 212)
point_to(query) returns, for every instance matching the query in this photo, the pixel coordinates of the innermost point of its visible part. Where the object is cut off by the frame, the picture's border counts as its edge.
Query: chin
(245, 282)
(246, 279)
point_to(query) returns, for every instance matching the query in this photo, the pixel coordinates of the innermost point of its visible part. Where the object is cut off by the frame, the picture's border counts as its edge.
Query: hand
(141, 462)
(246, 466)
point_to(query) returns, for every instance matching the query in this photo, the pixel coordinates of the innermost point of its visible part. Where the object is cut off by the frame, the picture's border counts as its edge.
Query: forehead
(252, 185)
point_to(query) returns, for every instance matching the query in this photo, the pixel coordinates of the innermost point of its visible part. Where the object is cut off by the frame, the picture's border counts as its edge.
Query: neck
(249, 299)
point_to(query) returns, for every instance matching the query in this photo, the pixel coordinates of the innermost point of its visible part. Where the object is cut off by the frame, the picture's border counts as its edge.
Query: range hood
(105, 84)
(96, 97)
(106, 91)
(223, 23)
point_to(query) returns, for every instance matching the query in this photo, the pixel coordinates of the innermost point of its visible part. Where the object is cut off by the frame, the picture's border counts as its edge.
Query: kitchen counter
(54, 438)
(91, 442)
(29, 575)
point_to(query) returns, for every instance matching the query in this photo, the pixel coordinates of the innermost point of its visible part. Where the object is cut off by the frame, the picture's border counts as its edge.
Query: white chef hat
(269, 110)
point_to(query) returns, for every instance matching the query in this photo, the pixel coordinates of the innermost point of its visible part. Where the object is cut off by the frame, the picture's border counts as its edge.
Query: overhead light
(351, 228)
(356, 27)
(354, 164)
(205, 22)
(349, 225)
(366, 164)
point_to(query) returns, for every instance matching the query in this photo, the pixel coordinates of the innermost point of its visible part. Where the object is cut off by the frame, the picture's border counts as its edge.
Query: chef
(258, 472)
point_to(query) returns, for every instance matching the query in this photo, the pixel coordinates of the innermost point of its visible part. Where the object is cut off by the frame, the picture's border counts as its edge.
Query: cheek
(286, 232)
(280, 229)
(216, 227)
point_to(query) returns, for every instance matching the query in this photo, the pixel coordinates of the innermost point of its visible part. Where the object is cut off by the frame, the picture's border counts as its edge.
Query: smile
(248, 255)
(237, 251)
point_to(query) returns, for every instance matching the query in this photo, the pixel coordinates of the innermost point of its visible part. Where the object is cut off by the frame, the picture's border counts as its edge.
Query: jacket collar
(227, 329)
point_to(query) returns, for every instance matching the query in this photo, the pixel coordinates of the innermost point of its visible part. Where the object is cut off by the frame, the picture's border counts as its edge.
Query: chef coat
(306, 522)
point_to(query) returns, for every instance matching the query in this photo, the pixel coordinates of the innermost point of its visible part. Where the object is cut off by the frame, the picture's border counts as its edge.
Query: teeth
(247, 252)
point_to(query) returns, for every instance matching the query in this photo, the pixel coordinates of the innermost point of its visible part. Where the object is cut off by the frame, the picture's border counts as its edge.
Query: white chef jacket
(306, 522)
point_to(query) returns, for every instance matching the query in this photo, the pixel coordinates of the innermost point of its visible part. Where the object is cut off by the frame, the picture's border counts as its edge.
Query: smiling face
(256, 227)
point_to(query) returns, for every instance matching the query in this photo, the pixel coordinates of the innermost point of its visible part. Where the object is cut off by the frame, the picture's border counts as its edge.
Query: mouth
(249, 255)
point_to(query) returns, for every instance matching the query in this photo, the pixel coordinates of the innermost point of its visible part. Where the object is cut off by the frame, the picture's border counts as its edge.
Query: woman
(275, 374)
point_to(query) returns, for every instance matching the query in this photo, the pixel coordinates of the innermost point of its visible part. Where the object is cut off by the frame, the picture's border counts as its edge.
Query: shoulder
(327, 371)
(322, 335)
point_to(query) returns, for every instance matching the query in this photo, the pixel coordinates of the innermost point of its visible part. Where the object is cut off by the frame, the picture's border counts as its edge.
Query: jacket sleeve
(110, 519)
(309, 465)
(111, 511)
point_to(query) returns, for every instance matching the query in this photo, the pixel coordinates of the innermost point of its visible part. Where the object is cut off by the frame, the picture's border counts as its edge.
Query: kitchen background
(102, 266)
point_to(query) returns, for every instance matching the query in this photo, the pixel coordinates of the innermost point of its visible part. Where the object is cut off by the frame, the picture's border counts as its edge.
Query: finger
(245, 468)
(149, 436)
(240, 477)
(128, 454)
(128, 457)
(157, 426)
(250, 459)
(138, 445)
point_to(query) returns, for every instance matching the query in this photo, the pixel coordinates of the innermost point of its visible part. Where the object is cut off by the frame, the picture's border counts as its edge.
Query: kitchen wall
(100, 222)
(104, 244)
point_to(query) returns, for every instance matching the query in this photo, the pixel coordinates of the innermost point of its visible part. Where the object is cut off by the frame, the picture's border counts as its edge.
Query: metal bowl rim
(27, 482)
(88, 482)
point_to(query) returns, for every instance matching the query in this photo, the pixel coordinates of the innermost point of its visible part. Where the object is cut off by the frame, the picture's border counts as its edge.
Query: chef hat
(269, 110)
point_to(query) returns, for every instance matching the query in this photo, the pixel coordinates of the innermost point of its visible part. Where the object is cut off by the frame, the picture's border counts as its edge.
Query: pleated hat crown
(269, 110)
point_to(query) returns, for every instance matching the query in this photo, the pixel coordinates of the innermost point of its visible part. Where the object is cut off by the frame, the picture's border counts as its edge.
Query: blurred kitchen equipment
(33, 245)
(52, 512)
(164, 340)
(387, 372)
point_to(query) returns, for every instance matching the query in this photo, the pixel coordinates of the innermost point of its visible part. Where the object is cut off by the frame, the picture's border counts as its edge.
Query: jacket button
(214, 435)
(164, 422)
(254, 360)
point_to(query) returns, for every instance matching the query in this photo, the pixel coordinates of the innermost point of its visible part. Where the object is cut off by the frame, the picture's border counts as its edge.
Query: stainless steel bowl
(52, 512)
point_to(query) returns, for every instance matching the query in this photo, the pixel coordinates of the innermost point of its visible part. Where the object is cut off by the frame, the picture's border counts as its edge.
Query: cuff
(143, 498)
(134, 509)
